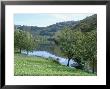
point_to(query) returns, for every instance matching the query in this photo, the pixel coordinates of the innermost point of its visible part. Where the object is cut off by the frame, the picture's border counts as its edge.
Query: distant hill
(49, 30)
(87, 24)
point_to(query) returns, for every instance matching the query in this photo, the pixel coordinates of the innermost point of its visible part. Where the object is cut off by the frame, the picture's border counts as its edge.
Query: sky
(46, 19)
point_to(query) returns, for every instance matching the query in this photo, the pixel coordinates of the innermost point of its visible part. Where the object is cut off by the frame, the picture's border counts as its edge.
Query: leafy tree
(24, 41)
(66, 42)
(86, 48)
(19, 36)
(30, 42)
(78, 45)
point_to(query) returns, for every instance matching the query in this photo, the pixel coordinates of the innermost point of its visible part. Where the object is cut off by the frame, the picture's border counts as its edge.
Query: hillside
(47, 31)
(87, 24)
(83, 25)
(38, 66)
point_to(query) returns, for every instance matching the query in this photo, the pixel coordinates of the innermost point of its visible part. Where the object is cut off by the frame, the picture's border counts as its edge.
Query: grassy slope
(37, 66)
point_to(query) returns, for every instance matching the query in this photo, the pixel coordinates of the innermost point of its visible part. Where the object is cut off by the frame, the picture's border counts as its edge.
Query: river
(46, 54)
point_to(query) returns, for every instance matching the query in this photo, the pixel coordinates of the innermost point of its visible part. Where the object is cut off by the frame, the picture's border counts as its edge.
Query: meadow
(37, 66)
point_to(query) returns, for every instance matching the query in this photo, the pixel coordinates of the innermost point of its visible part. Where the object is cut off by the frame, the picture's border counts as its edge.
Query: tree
(19, 36)
(66, 42)
(24, 41)
(79, 45)
(90, 41)
(86, 48)
(30, 42)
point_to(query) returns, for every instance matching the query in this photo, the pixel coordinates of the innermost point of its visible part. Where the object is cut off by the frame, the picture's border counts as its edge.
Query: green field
(38, 66)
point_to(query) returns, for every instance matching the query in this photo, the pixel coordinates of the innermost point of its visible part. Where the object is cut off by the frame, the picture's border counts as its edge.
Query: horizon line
(50, 24)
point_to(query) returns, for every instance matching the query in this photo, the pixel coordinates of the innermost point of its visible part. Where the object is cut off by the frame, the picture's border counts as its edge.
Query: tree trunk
(27, 52)
(93, 66)
(68, 62)
(20, 50)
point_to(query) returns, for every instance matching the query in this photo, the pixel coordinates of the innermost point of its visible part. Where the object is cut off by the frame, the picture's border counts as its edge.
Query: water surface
(46, 54)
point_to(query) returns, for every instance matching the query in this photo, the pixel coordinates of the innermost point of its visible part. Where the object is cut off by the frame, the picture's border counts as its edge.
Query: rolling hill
(83, 25)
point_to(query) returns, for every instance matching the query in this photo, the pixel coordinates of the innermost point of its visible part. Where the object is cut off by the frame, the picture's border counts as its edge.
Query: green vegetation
(24, 41)
(88, 24)
(65, 40)
(36, 66)
(78, 45)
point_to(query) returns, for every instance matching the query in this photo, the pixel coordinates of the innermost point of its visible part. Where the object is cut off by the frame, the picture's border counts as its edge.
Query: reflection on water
(46, 54)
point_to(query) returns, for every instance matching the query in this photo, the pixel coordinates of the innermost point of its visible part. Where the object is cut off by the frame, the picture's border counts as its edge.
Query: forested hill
(83, 25)
(88, 24)
(49, 30)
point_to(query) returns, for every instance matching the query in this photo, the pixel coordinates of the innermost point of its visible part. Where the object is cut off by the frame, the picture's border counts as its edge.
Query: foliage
(86, 48)
(30, 42)
(19, 39)
(66, 42)
(78, 45)
(24, 40)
